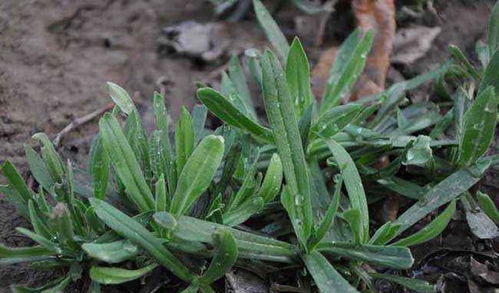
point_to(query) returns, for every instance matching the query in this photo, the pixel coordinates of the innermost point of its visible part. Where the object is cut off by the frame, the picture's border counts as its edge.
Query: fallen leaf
(482, 272)
(413, 43)
(481, 225)
(242, 281)
(212, 40)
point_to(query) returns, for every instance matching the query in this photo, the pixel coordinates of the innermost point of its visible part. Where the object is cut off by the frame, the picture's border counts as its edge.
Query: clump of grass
(146, 201)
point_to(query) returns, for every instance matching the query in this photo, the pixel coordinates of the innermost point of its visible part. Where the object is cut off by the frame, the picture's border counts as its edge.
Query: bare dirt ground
(55, 56)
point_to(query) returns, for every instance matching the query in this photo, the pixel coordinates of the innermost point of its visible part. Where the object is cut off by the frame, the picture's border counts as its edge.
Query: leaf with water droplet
(479, 127)
(445, 191)
(397, 257)
(347, 68)
(282, 117)
(327, 279)
(125, 162)
(353, 184)
(298, 77)
(197, 173)
(224, 109)
(271, 29)
(112, 252)
(224, 258)
(430, 231)
(120, 97)
(110, 275)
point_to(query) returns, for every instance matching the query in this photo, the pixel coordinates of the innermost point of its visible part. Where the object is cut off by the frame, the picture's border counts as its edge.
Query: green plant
(149, 203)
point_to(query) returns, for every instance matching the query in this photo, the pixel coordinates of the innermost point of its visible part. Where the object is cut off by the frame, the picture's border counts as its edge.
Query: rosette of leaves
(264, 195)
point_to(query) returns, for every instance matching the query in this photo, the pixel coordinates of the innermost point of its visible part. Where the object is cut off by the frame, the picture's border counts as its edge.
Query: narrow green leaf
(488, 206)
(321, 199)
(166, 149)
(239, 80)
(125, 162)
(353, 218)
(479, 127)
(224, 258)
(225, 110)
(445, 191)
(384, 234)
(305, 124)
(11, 255)
(397, 257)
(50, 156)
(414, 284)
(162, 202)
(38, 224)
(120, 97)
(248, 188)
(282, 117)
(344, 75)
(298, 77)
(432, 230)
(64, 226)
(326, 278)
(46, 243)
(137, 234)
(197, 173)
(165, 220)
(459, 56)
(353, 184)
(250, 245)
(482, 52)
(60, 287)
(99, 168)
(229, 89)
(184, 139)
(493, 30)
(335, 119)
(231, 161)
(243, 211)
(328, 219)
(403, 187)
(199, 114)
(107, 275)
(141, 146)
(395, 94)
(272, 180)
(16, 181)
(490, 77)
(443, 124)
(271, 29)
(158, 162)
(112, 252)
(253, 57)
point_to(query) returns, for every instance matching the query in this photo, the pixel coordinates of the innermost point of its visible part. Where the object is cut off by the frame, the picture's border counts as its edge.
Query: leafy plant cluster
(301, 185)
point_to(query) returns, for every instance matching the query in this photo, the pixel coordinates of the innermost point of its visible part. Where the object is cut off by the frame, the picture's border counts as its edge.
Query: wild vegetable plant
(261, 196)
